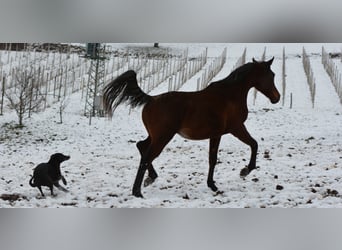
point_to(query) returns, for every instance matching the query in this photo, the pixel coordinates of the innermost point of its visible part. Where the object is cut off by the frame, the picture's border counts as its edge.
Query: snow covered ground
(300, 149)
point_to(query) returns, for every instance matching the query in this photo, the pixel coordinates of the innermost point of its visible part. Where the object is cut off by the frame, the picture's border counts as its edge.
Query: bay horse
(218, 109)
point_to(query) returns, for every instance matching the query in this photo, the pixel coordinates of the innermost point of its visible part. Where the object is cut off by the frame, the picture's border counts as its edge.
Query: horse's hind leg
(152, 174)
(153, 150)
(213, 148)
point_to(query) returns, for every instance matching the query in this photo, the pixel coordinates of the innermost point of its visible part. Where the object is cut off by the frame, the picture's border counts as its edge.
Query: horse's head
(264, 80)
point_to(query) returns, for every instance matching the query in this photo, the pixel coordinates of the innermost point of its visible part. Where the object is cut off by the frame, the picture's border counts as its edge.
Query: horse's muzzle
(275, 97)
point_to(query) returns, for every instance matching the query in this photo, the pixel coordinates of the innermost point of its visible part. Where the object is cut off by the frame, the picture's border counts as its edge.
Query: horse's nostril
(276, 96)
(275, 99)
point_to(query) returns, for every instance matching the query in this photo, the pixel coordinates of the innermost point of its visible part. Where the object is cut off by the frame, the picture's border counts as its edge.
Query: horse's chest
(235, 116)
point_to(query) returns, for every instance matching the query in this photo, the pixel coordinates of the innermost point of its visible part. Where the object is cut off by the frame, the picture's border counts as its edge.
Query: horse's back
(194, 115)
(167, 106)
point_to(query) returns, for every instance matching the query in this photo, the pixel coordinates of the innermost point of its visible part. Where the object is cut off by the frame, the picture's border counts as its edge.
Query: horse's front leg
(213, 148)
(242, 134)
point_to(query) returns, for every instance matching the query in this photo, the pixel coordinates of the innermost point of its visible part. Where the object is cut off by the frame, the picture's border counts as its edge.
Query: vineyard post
(164, 69)
(313, 93)
(16, 52)
(206, 55)
(53, 58)
(309, 75)
(47, 59)
(113, 64)
(82, 87)
(44, 80)
(170, 83)
(38, 80)
(73, 80)
(8, 52)
(65, 80)
(54, 87)
(60, 85)
(284, 77)
(159, 65)
(46, 93)
(2, 94)
(48, 77)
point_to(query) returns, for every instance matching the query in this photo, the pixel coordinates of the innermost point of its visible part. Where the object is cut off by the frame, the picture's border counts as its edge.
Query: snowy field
(299, 156)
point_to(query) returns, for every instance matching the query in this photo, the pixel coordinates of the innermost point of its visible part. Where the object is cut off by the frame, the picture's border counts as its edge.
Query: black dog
(48, 174)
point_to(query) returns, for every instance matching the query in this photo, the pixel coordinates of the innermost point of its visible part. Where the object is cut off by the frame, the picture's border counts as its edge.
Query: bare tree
(25, 96)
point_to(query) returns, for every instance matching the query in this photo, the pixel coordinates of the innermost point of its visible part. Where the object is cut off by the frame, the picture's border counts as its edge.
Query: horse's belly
(197, 134)
(187, 134)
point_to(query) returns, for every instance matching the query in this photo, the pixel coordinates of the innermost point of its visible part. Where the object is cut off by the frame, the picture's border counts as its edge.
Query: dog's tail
(124, 89)
(32, 184)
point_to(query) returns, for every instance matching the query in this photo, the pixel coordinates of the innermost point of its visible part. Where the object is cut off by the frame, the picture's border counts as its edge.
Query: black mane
(236, 76)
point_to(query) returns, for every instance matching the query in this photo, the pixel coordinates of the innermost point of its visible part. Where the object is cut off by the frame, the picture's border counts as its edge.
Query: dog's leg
(64, 180)
(60, 187)
(51, 189)
(41, 191)
(63, 189)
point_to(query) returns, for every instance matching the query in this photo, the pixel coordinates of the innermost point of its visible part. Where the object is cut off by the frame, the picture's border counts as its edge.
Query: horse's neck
(236, 87)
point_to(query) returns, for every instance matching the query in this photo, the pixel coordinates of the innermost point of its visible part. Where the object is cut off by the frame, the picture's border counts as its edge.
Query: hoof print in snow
(332, 192)
(255, 179)
(309, 139)
(267, 154)
(12, 197)
(279, 187)
(218, 193)
(69, 204)
(113, 195)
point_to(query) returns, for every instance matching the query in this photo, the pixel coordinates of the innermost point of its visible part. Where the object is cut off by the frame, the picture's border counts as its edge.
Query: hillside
(300, 147)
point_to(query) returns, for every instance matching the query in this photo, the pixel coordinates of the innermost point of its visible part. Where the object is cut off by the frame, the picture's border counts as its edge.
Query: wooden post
(284, 77)
(291, 100)
(46, 93)
(2, 94)
(170, 84)
(60, 86)
(65, 80)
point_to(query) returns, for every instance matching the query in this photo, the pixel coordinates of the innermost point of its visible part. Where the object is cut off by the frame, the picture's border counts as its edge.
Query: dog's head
(59, 158)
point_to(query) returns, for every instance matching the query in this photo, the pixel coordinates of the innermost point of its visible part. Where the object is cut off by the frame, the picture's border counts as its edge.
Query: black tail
(124, 89)
(32, 182)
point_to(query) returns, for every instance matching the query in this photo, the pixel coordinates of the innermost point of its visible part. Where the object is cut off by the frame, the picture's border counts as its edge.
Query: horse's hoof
(137, 194)
(148, 181)
(219, 192)
(212, 186)
(244, 172)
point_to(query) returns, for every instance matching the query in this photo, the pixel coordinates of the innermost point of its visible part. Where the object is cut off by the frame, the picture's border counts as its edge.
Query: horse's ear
(270, 61)
(255, 61)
